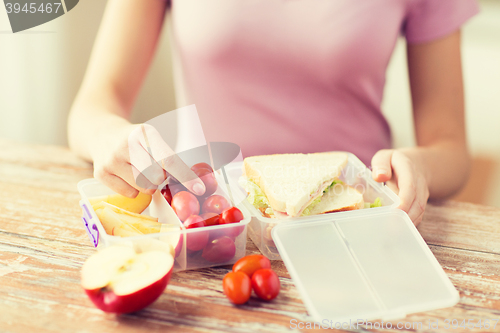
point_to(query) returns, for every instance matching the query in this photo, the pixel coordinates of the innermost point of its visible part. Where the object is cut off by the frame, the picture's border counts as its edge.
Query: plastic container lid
(363, 267)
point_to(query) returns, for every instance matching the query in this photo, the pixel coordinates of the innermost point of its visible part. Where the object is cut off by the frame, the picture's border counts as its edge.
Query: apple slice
(119, 280)
(172, 236)
(135, 205)
(144, 223)
(146, 227)
(128, 214)
(150, 244)
(113, 225)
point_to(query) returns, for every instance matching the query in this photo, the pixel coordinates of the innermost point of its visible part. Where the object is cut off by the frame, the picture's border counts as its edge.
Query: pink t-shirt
(283, 76)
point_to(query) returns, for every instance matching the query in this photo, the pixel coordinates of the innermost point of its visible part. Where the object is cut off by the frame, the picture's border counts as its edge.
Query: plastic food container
(355, 174)
(369, 266)
(159, 208)
(355, 265)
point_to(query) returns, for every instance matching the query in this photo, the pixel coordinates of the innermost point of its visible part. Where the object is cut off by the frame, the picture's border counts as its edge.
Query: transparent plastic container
(365, 266)
(355, 174)
(178, 237)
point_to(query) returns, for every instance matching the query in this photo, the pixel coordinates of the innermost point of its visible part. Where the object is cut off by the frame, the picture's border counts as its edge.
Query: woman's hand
(438, 167)
(404, 177)
(131, 158)
(98, 126)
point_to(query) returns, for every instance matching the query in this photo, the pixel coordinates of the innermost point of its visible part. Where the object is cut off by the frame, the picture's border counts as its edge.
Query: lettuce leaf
(335, 182)
(307, 210)
(255, 196)
(376, 203)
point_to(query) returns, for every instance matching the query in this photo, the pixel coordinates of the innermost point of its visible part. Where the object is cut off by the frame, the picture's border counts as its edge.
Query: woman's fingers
(416, 221)
(115, 183)
(122, 177)
(417, 208)
(381, 165)
(146, 169)
(395, 168)
(180, 171)
(148, 138)
(135, 178)
(406, 179)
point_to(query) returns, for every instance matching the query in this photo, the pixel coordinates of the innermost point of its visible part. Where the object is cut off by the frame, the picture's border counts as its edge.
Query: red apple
(119, 280)
(219, 250)
(215, 204)
(196, 240)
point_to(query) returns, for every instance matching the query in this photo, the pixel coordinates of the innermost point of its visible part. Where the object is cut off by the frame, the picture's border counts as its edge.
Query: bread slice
(340, 197)
(291, 181)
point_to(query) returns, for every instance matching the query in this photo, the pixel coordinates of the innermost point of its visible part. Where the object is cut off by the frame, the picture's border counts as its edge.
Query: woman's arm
(438, 167)
(120, 59)
(98, 126)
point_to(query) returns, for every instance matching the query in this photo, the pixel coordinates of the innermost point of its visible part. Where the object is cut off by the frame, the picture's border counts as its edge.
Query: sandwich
(291, 185)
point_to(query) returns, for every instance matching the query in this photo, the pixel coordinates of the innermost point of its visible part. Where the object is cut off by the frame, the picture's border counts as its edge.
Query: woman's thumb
(381, 165)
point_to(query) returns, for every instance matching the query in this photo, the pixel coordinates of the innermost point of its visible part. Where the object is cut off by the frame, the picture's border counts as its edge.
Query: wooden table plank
(462, 225)
(43, 246)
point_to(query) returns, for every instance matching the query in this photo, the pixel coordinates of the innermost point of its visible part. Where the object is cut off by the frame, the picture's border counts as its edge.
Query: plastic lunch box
(355, 265)
(159, 207)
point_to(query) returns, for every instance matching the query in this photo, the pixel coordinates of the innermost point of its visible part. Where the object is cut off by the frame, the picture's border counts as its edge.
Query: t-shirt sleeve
(427, 20)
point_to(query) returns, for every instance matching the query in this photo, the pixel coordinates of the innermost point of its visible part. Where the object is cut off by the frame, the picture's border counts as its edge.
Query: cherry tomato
(167, 194)
(215, 204)
(237, 287)
(174, 186)
(219, 250)
(252, 263)
(232, 215)
(202, 165)
(218, 233)
(195, 241)
(208, 178)
(172, 181)
(210, 218)
(266, 284)
(194, 221)
(185, 204)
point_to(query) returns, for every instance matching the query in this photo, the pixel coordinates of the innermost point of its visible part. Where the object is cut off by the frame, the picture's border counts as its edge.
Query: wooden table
(43, 246)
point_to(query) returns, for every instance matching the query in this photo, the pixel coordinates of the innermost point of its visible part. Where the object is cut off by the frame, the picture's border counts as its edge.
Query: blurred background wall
(41, 70)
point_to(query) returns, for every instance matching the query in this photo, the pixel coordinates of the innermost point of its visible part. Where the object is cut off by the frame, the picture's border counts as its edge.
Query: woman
(309, 72)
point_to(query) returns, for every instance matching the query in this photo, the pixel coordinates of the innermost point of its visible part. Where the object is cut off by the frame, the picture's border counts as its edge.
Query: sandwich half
(290, 185)
(338, 197)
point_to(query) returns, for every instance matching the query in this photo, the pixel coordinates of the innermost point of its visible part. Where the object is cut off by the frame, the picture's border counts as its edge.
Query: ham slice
(280, 215)
(315, 195)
